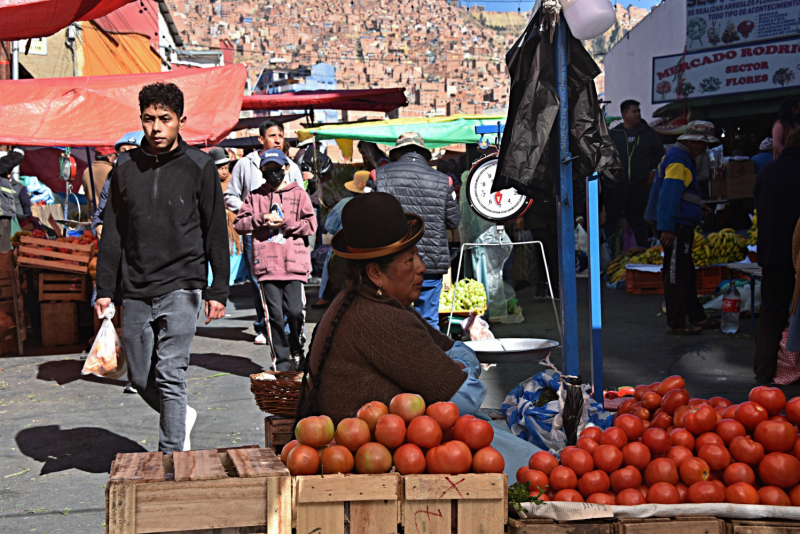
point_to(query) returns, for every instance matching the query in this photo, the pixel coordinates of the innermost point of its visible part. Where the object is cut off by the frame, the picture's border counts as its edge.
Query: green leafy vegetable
(520, 493)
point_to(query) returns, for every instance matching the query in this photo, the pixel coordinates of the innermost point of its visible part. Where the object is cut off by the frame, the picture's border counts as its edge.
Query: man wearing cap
(427, 192)
(9, 159)
(129, 141)
(675, 199)
(764, 155)
(246, 177)
(280, 217)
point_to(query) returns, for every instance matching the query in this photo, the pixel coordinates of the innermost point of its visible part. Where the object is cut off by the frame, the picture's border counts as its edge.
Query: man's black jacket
(640, 150)
(777, 193)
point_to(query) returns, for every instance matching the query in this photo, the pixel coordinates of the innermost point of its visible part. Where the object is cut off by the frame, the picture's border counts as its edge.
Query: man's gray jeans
(158, 334)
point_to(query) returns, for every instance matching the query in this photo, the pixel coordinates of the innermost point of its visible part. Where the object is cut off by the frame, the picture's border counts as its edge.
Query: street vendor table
(752, 270)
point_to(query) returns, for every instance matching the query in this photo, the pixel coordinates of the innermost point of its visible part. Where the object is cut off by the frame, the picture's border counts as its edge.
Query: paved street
(59, 431)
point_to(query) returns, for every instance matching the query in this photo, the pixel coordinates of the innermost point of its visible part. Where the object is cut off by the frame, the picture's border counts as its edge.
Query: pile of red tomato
(668, 448)
(405, 435)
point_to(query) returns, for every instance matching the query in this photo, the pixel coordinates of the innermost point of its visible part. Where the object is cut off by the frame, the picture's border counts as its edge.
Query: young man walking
(246, 177)
(675, 204)
(164, 222)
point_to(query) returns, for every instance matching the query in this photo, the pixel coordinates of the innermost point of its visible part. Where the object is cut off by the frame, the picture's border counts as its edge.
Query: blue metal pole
(566, 218)
(595, 334)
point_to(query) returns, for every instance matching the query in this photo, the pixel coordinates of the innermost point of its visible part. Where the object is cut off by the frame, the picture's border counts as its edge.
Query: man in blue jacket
(675, 199)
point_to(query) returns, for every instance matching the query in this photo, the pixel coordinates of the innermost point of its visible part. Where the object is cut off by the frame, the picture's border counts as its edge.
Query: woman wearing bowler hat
(371, 345)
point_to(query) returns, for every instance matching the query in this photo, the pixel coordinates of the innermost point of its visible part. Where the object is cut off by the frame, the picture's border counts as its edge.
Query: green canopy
(436, 131)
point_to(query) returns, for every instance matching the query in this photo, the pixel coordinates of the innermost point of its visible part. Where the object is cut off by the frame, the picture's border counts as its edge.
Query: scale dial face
(499, 207)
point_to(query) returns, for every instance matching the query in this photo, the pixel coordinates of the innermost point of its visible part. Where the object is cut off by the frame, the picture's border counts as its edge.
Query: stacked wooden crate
(11, 337)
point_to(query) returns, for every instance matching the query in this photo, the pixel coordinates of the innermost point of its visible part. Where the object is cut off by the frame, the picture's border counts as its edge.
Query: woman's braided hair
(308, 404)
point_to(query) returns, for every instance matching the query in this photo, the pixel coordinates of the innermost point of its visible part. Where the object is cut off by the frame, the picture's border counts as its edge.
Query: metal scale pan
(512, 349)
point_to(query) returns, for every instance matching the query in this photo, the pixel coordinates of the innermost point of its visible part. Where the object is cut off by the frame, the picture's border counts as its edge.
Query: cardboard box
(719, 189)
(740, 186)
(734, 169)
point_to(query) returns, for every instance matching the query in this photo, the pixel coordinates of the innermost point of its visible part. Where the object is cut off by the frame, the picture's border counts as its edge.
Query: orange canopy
(120, 53)
(97, 110)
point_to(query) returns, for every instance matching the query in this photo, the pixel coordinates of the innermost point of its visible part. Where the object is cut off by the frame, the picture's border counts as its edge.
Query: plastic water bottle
(731, 301)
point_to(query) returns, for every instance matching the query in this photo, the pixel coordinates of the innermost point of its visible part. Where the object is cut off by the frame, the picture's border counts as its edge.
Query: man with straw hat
(675, 198)
(423, 190)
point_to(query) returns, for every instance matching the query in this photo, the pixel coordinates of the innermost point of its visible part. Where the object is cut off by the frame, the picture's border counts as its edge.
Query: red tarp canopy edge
(356, 100)
(25, 19)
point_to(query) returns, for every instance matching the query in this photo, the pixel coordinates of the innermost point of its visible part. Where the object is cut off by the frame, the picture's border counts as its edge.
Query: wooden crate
(762, 526)
(236, 491)
(74, 261)
(59, 323)
(674, 525)
(548, 526)
(62, 286)
(278, 431)
(370, 504)
(465, 504)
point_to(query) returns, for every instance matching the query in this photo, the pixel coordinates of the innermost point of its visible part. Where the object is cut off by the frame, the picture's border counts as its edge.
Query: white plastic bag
(477, 328)
(106, 357)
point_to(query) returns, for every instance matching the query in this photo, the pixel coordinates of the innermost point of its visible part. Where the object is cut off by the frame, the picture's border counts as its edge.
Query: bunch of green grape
(470, 295)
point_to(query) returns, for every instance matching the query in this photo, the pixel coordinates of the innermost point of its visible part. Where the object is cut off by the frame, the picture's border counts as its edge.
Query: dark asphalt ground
(59, 431)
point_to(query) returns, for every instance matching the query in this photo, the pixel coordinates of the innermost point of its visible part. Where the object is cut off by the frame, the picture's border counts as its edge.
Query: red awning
(357, 100)
(24, 19)
(97, 110)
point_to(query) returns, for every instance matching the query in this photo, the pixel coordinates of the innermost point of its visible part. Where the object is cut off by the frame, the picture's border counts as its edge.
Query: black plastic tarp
(529, 155)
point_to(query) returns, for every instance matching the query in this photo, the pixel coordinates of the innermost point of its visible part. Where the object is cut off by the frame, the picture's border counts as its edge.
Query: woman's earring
(380, 291)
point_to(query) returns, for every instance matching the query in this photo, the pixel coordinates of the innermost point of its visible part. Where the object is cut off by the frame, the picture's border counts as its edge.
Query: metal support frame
(566, 219)
(595, 312)
(91, 179)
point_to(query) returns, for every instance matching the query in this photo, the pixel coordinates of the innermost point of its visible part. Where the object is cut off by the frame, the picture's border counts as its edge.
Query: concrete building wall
(629, 64)
(58, 61)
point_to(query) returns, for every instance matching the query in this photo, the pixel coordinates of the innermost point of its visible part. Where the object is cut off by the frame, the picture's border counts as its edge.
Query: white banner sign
(720, 23)
(738, 69)
(38, 46)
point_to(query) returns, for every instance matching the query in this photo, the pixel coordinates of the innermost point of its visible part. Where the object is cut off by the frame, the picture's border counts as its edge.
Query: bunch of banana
(651, 257)
(726, 246)
(701, 253)
(616, 270)
(752, 233)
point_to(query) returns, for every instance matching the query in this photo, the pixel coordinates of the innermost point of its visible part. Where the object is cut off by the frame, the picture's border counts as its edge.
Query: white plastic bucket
(588, 18)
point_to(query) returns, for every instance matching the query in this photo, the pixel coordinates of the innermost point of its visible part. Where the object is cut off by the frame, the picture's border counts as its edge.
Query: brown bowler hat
(373, 226)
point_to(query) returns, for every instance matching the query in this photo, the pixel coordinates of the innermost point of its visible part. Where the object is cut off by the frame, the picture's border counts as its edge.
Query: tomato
(488, 460)
(635, 406)
(741, 493)
(646, 424)
(593, 482)
(543, 497)
(461, 422)
(705, 492)
(638, 391)
(630, 497)
(521, 471)
(579, 461)
(680, 413)
(303, 460)
(674, 399)
(772, 496)
(625, 407)
(445, 413)
(683, 492)
(601, 498)
(694, 470)
(720, 409)
(669, 384)
(287, 449)
(631, 425)
(775, 436)
(700, 419)
(371, 412)
(792, 409)
(651, 400)
(661, 470)
(719, 401)
(614, 436)
(657, 440)
(314, 431)
(636, 455)
(730, 412)
(537, 479)
(782, 418)
(663, 493)
(709, 438)
(794, 496)
(425, 432)
(607, 458)
(653, 386)
(476, 433)
(587, 444)
(795, 449)
(750, 414)
(642, 413)
(410, 460)
(592, 432)
(779, 469)
(407, 405)
(338, 459)
(738, 472)
(568, 495)
(625, 478)
(562, 478)
(390, 431)
(451, 458)
(744, 449)
(682, 438)
(727, 429)
(772, 399)
(352, 433)
(373, 458)
(716, 456)
(679, 454)
(662, 420)
(543, 461)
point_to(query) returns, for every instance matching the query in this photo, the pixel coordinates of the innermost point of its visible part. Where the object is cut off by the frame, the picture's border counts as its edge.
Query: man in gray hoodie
(246, 177)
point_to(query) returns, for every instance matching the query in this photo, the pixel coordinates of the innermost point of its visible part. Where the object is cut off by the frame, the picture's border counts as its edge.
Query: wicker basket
(277, 396)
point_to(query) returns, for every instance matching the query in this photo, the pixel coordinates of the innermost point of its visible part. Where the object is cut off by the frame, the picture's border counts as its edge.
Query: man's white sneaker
(261, 339)
(191, 417)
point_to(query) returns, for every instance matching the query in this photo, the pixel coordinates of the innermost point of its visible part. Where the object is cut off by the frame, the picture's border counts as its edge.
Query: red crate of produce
(643, 283)
(708, 278)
